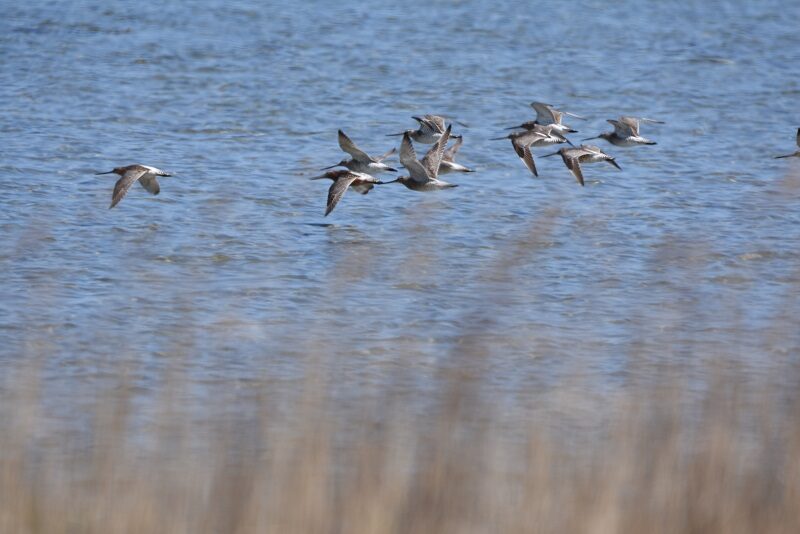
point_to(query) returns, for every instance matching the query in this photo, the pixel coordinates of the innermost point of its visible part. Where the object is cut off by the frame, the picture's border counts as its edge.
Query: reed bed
(644, 462)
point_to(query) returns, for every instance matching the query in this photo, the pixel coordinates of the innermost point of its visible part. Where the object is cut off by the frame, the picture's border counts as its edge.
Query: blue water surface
(232, 272)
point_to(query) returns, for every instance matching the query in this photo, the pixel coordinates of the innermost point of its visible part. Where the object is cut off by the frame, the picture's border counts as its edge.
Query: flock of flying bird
(361, 170)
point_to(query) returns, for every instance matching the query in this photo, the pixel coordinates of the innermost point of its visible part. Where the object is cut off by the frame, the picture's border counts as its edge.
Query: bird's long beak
(390, 181)
(320, 177)
(590, 138)
(331, 167)
(394, 135)
(99, 173)
(513, 127)
(548, 155)
(391, 169)
(499, 138)
(614, 163)
(569, 142)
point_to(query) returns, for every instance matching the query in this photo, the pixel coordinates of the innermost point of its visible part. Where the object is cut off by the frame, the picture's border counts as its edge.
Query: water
(233, 273)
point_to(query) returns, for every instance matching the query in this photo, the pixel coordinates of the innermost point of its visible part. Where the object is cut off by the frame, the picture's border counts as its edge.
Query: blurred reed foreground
(644, 462)
(677, 436)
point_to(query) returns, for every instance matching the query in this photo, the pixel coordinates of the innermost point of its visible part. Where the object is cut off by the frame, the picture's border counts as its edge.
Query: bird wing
(154, 170)
(528, 160)
(150, 183)
(542, 128)
(624, 128)
(433, 158)
(450, 153)
(362, 188)
(337, 190)
(407, 152)
(549, 130)
(632, 123)
(426, 125)
(350, 147)
(588, 150)
(125, 183)
(384, 156)
(594, 153)
(428, 159)
(408, 157)
(436, 121)
(590, 154)
(545, 113)
(529, 137)
(525, 154)
(573, 164)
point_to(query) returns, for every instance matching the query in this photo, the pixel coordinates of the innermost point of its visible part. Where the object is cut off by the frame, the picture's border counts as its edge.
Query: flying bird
(547, 115)
(144, 174)
(361, 161)
(342, 179)
(573, 157)
(626, 132)
(537, 135)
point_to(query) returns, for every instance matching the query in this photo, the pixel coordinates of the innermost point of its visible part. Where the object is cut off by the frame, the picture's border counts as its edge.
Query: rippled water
(232, 271)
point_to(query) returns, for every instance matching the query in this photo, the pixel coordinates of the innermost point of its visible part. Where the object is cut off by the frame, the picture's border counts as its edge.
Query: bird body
(342, 179)
(144, 174)
(425, 187)
(539, 135)
(532, 125)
